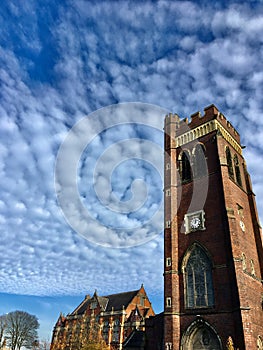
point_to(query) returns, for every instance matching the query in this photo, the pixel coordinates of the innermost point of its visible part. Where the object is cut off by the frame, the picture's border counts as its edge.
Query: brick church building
(116, 320)
(213, 254)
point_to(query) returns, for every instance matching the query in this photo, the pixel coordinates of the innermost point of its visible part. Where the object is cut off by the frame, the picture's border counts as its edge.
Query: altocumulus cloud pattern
(119, 200)
(61, 61)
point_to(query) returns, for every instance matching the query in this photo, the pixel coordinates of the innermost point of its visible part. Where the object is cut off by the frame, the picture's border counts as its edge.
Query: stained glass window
(198, 279)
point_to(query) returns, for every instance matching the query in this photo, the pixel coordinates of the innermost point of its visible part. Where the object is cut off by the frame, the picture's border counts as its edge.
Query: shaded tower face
(212, 239)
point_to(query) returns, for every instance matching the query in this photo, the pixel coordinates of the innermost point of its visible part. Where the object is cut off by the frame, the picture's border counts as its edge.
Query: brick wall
(232, 233)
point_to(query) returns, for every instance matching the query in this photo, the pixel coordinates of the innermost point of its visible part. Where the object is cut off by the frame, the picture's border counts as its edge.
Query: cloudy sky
(81, 180)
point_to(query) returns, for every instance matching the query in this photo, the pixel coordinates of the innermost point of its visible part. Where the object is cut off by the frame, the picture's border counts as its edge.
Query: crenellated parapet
(183, 131)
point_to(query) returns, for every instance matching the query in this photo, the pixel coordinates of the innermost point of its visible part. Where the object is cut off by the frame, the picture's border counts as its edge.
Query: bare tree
(20, 330)
(44, 345)
(2, 331)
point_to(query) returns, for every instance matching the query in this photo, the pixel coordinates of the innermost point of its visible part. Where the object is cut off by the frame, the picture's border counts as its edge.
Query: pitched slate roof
(82, 306)
(117, 301)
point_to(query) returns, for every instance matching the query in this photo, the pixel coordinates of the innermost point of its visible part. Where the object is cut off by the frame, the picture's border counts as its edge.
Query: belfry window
(200, 166)
(237, 171)
(185, 167)
(229, 163)
(198, 280)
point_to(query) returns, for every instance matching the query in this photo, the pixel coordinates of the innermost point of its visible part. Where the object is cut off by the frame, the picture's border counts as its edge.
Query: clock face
(195, 222)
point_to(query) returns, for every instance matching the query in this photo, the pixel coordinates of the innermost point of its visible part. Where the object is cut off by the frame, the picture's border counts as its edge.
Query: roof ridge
(132, 291)
(87, 297)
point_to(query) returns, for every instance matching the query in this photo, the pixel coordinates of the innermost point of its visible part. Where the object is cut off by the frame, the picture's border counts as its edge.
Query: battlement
(197, 119)
(211, 112)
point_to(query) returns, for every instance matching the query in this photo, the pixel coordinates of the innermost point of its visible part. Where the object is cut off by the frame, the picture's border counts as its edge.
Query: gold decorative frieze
(205, 129)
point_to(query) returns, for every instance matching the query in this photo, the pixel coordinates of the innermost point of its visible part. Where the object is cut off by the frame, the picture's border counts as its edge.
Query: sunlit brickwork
(212, 212)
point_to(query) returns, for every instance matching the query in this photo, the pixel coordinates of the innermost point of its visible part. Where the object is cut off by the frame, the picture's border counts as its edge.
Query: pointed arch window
(229, 163)
(237, 171)
(198, 280)
(200, 335)
(185, 167)
(260, 343)
(200, 165)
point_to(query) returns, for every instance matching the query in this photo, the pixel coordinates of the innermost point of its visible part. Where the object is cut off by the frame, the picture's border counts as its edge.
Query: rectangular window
(115, 336)
(168, 262)
(168, 193)
(168, 224)
(168, 302)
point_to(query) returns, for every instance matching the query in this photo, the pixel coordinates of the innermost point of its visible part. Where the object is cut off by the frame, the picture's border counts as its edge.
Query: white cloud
(174, 54)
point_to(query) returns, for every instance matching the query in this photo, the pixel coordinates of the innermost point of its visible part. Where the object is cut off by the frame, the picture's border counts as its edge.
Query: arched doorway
(200, 336)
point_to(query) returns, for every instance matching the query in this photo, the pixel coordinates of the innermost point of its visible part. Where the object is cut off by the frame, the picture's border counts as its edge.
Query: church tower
(213, 257)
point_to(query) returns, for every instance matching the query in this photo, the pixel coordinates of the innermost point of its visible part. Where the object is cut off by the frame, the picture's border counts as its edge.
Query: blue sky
(61, 62)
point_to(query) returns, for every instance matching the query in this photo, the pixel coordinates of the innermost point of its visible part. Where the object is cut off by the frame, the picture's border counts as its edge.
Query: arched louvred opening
(229, 163)
(197, 269)
(200, 335)
(200, 164)
(237, 171)
(185, 167)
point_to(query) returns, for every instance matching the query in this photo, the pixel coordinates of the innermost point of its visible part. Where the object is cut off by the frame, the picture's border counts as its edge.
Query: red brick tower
(213, 263)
